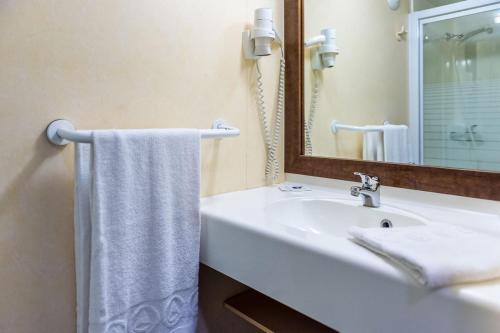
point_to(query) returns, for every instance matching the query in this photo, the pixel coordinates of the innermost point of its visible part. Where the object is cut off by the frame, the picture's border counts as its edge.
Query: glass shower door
(460, 89)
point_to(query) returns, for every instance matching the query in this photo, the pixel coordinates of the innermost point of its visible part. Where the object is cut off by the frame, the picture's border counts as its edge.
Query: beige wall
(369, 84)
(105, 64)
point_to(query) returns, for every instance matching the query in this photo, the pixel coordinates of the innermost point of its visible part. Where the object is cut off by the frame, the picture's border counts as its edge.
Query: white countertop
(337, 282)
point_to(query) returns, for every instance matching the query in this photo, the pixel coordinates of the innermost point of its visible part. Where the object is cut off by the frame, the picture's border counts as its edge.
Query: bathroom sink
(334, 217)
(294, 248)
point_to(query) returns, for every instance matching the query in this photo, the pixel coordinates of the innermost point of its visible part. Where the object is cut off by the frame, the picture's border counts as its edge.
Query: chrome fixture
(463, 37)
(369, 191)
(467, 134)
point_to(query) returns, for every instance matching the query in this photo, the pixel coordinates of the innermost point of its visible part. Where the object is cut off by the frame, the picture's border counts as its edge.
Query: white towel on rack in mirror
(373, 147)
(396, 144)
(137, 228)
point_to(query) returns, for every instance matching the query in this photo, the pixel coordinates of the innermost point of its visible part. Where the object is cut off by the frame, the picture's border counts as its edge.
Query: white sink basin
(293, 247)
(335, 217)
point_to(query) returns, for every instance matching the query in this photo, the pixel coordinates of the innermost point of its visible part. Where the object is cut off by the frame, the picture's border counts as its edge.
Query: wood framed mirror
(470, 182)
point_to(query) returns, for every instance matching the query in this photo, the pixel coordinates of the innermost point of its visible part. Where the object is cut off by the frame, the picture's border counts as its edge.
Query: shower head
(464, 37)
(476, 32)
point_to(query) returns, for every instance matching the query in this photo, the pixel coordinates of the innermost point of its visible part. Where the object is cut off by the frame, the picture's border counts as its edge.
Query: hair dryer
(324, 55)
(257, 41)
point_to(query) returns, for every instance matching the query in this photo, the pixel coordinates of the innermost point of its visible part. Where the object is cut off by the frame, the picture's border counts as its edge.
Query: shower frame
(417, 20)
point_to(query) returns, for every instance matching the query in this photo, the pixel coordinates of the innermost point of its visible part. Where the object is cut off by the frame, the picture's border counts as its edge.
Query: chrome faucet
(369, 191)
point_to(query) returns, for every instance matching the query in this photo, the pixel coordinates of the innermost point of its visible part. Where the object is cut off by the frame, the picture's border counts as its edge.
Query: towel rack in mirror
(335, 126)
(61, 132)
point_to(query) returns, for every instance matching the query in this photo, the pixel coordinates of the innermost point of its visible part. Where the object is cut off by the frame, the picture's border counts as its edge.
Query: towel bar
(335, 127)
(61, 132)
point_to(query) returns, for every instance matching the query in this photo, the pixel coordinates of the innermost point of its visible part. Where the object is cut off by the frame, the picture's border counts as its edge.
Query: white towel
(436, 255)
(83, 185)
(137, 231)
(373, 148)
(396, 146)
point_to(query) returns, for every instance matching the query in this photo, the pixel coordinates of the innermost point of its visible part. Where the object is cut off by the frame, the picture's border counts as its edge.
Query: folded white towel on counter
(137, 230)
(436, 255)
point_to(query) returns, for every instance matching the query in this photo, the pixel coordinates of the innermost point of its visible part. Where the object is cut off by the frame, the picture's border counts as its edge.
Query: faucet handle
(368, 182)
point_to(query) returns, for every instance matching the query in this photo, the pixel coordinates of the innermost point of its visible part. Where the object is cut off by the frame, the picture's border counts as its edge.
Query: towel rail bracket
(53, 129)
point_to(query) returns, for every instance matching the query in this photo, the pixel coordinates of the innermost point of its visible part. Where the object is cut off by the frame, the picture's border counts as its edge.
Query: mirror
(409, 81)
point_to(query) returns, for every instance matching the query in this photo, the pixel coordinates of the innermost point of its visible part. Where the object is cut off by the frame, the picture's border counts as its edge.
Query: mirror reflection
(403, 81)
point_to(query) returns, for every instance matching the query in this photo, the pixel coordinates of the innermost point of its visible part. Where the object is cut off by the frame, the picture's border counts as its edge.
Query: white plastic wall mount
(333, 126)
(219, 124)
(394, 4)
(52, 129)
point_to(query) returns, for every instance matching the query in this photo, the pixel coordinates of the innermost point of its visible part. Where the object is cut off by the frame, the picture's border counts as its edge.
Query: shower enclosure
(455, 85)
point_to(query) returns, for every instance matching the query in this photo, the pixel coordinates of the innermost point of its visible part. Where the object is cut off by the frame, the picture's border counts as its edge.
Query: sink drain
(385, 223)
